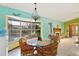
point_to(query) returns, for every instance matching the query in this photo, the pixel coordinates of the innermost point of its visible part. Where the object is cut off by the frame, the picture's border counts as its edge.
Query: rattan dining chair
(26, 50)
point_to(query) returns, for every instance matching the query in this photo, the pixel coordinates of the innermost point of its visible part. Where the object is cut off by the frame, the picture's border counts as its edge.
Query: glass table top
(35, 42)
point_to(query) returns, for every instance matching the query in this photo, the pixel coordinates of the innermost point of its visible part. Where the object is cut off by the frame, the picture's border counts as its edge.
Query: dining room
(39, 29)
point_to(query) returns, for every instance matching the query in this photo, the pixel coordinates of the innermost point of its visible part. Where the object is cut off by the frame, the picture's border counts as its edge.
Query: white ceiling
(57, 11)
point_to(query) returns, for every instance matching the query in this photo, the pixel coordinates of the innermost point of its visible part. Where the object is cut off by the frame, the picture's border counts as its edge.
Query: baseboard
(13, 48)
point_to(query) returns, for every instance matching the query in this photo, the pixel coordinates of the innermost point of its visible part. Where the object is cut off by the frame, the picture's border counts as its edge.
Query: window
(76, 30)
(13, 29)
(18, 28)
(50, 28)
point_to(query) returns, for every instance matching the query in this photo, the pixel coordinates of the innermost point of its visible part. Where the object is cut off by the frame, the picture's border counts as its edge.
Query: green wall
(9, 11)
(66, 24)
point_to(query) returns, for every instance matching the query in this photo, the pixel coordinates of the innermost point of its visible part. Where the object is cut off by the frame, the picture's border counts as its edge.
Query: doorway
(73, 29)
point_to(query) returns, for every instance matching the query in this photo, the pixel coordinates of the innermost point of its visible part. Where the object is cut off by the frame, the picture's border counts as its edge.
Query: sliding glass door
(13, 29)
(18, 28)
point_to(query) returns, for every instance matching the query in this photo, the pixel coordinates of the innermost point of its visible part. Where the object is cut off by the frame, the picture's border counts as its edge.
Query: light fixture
(35, 15)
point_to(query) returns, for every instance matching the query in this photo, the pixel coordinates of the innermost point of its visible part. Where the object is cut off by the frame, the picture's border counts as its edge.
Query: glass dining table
(35, 43)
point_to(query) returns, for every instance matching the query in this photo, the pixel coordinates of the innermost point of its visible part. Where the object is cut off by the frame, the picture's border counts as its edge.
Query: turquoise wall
(9, 11)
(54, 24)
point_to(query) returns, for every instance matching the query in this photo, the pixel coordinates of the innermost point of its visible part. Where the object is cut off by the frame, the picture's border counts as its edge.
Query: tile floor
(15, 52)
(3, 45)
(67, 47)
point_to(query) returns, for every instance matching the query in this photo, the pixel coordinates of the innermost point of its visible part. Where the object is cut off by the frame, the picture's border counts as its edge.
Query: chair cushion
(27, 47)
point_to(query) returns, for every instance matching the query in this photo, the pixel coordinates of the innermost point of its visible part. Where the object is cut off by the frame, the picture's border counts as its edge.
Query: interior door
(73, 30)
(70, 30)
